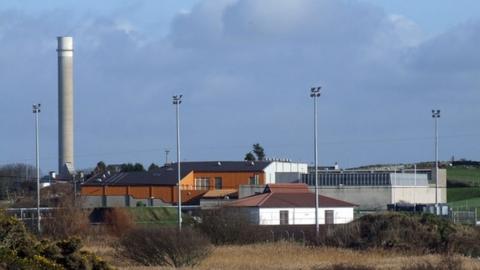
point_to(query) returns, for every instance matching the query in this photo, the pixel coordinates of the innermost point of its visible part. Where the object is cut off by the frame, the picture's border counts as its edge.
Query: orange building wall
(115, 190)
(188, 181)
(169, 194)
(92, 191)
(230, 180)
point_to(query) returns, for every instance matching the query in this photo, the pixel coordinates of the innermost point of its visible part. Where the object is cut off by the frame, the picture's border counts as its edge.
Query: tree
(101, 167)
(153, 167)
(249, 157)
(129, 167)
(259, 151)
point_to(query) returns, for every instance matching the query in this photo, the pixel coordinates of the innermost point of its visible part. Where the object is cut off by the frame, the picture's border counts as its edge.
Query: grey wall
(367, 197)
(118, 201)
(249, 190)
(288, 177)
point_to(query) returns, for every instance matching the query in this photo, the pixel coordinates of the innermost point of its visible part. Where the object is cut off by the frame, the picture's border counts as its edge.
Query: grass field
(462, 194)
(464, 197)
(463, 174)
(287, 255)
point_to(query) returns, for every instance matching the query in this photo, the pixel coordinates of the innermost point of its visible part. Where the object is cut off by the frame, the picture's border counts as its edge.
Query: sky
(245, 69)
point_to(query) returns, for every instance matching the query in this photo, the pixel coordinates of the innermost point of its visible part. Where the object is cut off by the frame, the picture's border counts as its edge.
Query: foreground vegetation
(225, 240)
(20, 250)
(293, 255)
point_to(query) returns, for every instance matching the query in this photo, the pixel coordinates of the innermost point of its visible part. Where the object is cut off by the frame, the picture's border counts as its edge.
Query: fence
(466, 216)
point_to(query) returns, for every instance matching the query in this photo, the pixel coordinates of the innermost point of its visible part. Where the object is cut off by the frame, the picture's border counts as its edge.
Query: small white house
(293, 204)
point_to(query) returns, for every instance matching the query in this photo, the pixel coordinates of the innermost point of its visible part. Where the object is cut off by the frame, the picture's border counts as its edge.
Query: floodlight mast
(177, 100)
(435, 116)
(36, 110)
(315, 94)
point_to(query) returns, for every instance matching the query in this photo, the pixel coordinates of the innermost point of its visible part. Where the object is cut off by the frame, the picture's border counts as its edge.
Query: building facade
(374, 190)
(293, 204)
(197, 178)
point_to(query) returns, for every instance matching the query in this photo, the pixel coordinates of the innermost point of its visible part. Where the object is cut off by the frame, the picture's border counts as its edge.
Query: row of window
(329, 217)
(203, 182)
(349, 179)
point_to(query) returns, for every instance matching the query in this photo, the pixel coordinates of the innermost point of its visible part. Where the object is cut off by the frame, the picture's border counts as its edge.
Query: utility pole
(315, 94)
(177, 100)
(436, 115)
(36, 111)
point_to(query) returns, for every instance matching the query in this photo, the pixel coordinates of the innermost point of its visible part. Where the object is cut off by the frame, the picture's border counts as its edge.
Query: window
(218, 183)
(283, 217)
(202, 183)
(329, 219)
(254, 180)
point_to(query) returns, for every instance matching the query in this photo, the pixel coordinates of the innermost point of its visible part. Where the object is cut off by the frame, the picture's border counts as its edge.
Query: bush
(164, 246)
(66, 220)
(227, 226)
(20, 250)
(406, 232)
(118, 221)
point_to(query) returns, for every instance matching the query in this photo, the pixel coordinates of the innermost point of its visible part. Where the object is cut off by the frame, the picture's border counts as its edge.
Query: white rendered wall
(303, 216)
(278, 166)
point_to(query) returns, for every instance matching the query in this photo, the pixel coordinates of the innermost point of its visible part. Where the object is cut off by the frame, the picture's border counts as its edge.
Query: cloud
(244, 68)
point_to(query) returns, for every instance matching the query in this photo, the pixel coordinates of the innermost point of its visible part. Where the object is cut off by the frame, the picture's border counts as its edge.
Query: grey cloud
(244, 68)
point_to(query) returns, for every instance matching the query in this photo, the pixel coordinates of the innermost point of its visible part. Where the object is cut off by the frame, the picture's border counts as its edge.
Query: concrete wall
(367, 197)
(304, 216)
(422, 195)
(92, 201)
(118, 201)
(249, 190)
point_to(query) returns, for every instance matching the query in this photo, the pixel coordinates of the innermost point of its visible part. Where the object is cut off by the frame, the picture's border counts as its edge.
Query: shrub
(406, 232)
(164, 246)
(20, 250)
(66, 220)
(118, 221)
(226, 226)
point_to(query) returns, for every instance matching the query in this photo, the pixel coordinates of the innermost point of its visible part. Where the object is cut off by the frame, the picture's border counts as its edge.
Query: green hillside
(463, 197)
(464, 174)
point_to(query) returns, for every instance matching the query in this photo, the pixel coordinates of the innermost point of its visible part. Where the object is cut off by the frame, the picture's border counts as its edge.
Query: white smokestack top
(65, 106)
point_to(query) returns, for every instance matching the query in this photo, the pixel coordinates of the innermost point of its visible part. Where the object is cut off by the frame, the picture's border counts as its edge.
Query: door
(329, 217)
(218, 183)
(283, 217)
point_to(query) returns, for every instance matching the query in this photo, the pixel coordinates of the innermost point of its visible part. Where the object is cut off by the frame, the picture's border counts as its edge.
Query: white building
(293, 204)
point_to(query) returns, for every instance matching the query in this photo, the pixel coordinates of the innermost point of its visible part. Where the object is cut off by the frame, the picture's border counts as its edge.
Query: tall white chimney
(65, 106)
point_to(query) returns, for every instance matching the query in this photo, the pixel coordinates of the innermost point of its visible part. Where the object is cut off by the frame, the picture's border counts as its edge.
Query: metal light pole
(315, 94)
(36, 111)
(436, 115)
(177, 100)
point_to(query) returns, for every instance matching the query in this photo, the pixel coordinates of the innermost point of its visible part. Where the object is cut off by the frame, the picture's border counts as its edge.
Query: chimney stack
(65, 106)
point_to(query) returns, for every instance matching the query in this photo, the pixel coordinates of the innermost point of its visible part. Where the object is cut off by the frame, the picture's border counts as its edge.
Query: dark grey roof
(167, 175)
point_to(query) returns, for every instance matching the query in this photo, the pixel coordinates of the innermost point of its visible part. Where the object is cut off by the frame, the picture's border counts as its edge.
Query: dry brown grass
(286, 255)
